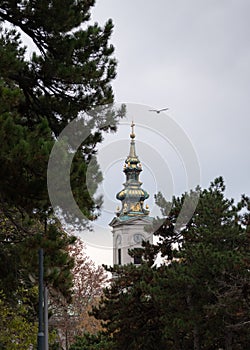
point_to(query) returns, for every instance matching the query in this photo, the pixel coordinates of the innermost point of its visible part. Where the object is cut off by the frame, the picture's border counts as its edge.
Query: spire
(132, 196)
(132, 153)
(132, 135)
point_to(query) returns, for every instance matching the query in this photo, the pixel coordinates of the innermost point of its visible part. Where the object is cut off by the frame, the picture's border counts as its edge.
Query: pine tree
(198, 298)
(129, 310)
(67, 76)
(213, 254)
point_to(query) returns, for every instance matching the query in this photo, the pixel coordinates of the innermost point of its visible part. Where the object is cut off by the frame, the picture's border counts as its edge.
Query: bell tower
(128, 226)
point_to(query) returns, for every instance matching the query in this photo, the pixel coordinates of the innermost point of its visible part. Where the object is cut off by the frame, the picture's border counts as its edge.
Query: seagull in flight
(158, 110)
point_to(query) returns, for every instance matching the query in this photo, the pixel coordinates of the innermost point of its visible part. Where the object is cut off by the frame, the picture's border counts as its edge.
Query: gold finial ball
(118, 208)
(132, 135)
(147, 206)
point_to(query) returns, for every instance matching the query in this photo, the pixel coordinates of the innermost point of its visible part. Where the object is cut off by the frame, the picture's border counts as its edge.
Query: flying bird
(158, 110)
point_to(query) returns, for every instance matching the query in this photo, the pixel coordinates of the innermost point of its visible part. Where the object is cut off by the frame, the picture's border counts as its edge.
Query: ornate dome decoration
(132, 196)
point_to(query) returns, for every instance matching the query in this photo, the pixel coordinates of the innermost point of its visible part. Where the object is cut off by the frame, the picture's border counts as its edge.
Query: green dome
(132, 196)
(132, 193)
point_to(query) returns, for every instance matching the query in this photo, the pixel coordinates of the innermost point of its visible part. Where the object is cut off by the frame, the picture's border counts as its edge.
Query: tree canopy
(66, 74)
(198, 297)
(73, 319)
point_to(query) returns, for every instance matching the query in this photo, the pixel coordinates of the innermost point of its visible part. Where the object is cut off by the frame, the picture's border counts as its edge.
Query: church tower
(129, 224)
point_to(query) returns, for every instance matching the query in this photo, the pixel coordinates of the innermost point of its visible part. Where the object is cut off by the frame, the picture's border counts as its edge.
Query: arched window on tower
(119, 251)
(119, 256)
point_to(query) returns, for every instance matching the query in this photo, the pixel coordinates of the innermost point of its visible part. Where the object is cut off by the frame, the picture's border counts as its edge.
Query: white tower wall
(127, 237)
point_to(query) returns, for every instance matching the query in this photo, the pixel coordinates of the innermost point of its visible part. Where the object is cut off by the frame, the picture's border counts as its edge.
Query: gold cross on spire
(132, 135)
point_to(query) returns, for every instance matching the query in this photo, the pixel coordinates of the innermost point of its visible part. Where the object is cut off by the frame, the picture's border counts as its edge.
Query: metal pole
(46, 321)
(40, 335)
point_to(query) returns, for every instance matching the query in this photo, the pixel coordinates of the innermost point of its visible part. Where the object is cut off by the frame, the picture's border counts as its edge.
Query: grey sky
(192, 56)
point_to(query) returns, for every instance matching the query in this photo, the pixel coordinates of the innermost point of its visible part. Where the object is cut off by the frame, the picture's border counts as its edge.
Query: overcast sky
(192, 56)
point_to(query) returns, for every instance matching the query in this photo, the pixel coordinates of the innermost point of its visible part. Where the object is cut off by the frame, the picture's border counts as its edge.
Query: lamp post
(40, 335)
(46, 321)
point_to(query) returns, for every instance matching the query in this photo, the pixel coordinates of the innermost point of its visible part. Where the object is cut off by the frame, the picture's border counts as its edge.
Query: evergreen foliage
(92, 342)
(67, 76)
(198, 298)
